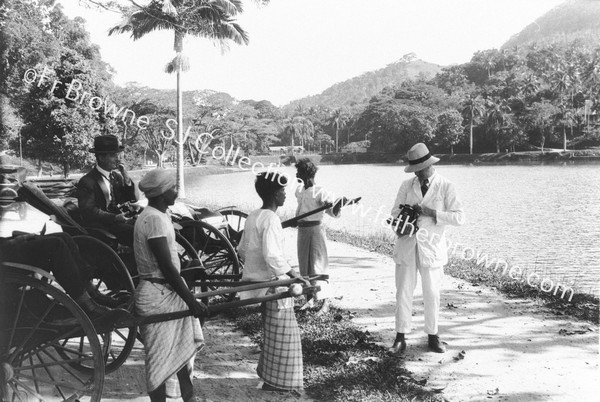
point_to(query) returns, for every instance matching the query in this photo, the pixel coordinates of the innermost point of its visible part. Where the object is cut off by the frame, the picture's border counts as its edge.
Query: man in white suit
(426, 250)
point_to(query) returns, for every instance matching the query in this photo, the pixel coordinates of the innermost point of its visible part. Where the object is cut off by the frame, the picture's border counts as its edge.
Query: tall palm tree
(496, 117)
(212, 19)
(472, 108)
(339, 118)
(299, 127)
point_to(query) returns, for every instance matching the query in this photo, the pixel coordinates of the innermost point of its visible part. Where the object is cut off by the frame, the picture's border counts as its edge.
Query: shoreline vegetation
(502, 158)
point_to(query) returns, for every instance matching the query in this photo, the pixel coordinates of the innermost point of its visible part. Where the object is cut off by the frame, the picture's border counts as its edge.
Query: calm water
(543, 218)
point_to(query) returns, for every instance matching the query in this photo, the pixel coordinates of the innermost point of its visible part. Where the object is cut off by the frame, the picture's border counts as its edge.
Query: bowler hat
(419, 158)
(106, 144)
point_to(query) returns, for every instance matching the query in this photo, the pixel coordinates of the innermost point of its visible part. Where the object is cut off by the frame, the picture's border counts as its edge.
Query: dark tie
(425, 187)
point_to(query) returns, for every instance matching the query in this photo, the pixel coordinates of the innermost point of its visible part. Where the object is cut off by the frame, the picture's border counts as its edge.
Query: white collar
(430, 178)
(103, 172)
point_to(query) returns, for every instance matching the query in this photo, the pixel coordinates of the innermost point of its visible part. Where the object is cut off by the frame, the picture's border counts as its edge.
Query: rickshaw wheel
(218, 256)
(236, 221)
(41, 321)
(112, 286)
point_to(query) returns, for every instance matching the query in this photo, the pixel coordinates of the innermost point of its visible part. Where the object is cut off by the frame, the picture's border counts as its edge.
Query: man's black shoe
(398, 347)
(435, 345)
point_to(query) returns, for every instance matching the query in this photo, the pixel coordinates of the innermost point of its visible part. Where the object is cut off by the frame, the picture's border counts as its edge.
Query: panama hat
(419, 158)
(106, 144)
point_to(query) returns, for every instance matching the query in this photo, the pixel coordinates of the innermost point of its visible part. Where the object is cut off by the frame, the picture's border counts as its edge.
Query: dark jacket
(93, 198)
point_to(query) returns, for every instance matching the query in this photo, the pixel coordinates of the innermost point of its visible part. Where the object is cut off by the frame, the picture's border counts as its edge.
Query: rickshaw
(49, 348)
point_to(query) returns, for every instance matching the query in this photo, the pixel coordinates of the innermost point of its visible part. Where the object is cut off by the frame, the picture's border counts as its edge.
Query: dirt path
(513, 349)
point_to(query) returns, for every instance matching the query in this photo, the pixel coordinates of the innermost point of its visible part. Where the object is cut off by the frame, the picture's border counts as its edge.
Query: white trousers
(406, 281)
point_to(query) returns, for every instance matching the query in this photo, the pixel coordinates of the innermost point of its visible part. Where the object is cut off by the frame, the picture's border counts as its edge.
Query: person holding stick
(312, 240)
(170, 345)
(280, 363)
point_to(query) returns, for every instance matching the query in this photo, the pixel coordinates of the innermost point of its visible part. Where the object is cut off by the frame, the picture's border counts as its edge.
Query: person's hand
(341, 202)
(18, 238)
(198, 309)
(122, 218)
(428, 211)
(124, 173)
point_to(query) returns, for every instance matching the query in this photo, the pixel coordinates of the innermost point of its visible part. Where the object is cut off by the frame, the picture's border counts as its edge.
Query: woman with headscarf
(170, 345)
(280, 363)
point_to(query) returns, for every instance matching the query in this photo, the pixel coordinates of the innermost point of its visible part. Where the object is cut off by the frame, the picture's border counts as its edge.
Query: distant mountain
(573, 19)
(360, 89)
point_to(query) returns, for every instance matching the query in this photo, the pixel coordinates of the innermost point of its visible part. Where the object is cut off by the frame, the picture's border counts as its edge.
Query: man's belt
(308, 224)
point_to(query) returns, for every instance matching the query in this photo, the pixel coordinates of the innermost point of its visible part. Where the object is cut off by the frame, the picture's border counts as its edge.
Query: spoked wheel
(218, 256)
(188, 255)
(112, 286)
(39, 345)
(236, 220)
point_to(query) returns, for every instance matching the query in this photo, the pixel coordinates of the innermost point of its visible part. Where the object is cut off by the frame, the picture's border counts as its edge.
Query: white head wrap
(157, 182)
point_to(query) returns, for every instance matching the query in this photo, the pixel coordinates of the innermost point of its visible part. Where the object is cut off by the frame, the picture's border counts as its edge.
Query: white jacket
(428, 247)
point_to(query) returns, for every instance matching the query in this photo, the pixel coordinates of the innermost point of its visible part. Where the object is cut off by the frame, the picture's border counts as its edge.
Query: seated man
(101, 190)
(56, 253)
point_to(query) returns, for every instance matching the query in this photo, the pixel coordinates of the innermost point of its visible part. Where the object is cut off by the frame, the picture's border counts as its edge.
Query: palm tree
(496, 117)
(565, 117)
(298, 127)
(472, 107)
(338, 120)
(212, 19)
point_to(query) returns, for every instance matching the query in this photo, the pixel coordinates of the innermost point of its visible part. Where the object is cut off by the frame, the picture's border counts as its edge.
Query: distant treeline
(525, 98)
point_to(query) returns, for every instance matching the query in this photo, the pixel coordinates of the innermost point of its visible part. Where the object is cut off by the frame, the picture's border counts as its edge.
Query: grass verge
(341, 362)
(582, 305)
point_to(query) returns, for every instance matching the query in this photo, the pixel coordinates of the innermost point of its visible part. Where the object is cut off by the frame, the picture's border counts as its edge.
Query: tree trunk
(451, 150)
(471, 138)
(564, 138)
(180, 182)
(336, 139)
(39, 173)
(191, 151)
(66, 169)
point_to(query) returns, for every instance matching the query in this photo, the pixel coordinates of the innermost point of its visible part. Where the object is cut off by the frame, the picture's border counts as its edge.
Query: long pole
(20, 147)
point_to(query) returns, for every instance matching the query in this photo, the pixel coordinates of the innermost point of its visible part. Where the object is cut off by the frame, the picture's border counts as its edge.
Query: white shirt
(153, 224)
(312, 198)
(261, 248)
(106, 177)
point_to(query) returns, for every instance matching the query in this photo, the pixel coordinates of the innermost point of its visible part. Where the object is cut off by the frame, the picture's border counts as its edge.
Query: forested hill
(360, 89)
(573, 19)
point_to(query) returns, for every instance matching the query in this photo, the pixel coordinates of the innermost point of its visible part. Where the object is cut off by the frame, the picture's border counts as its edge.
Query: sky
(301, 47)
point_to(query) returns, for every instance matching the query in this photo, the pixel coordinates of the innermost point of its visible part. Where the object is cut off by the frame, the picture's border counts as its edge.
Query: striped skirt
(280, 363)
(312, 256)
(169, 345)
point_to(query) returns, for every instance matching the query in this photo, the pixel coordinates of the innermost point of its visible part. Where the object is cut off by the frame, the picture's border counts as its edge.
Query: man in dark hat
(105, 187)
(425, 252)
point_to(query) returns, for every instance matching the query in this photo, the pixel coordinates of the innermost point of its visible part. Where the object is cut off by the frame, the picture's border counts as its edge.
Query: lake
(543, 218)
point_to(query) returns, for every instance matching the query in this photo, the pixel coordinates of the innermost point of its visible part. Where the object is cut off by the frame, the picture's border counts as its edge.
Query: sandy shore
(513, 349)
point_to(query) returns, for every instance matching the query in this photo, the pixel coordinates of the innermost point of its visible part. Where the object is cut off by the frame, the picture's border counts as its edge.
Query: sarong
(169, 345)
(280, 363)
(312, 256)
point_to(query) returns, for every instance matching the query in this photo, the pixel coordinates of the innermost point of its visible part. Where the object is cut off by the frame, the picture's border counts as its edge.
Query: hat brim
(112, 151)
(422, 165)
